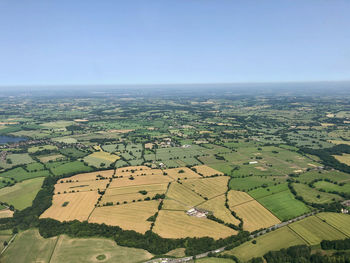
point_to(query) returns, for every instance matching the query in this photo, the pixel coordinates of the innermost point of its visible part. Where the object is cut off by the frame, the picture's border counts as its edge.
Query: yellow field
(254, 215)
(208, 187)
(206, 170)
(90, 176)
(104, 156)
(237, 197)
(130, 216)
(4, 213)
(217, 206)
(130, 168)
(188, 173)
(170, 204)
(339, 142)
(345, 158)
(140, 180)
(45, 159)
(176, 224)
(183, 195)
(79, 206)
(80, 186)
(121, 194)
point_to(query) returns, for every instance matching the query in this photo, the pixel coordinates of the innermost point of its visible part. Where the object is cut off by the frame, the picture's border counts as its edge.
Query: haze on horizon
(184, 41)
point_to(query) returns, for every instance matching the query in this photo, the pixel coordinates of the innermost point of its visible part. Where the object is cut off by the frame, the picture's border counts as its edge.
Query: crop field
(76, 250)
(181, 173)
(313, 230)
(90, 176)
(72, 152)
(71, 187)
(140, 180)
(21, 194)
(255, 216)
(101, 159)
(208, 187)
(276, 240)
(4, 213)
(237, 198)
(176, 224)
(128, 216)
(333, 187)
(265, 191)
(338, 221)
(205, 170)
(217, 207)
(183, 195)
(78, 206)
(313, 195)
(284, 205)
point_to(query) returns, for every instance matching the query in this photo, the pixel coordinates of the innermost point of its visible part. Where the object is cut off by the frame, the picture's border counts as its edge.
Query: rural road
(186, 259)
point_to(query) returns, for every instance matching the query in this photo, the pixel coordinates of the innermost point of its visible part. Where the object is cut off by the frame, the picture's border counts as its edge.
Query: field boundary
(54, 248)
(299, 235)
(325, 221)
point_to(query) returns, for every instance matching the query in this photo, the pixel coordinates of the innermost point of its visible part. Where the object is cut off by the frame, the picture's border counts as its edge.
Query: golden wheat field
(206, 170)
(181, 172)
(208, 187)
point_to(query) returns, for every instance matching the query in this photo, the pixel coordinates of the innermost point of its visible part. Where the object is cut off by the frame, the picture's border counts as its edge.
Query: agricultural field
(344, 158)
(176, 224)
(101, 159)
(312, 195)
(330, 187)
(21, 194)
(338, 221)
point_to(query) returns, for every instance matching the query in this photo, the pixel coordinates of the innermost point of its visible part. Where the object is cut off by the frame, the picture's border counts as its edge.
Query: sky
(89, 42)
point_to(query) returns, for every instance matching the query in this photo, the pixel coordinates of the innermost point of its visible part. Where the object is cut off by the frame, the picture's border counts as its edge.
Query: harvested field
(134, 168)
(79, 206)
(140, 180)
(4, 213)
(254, 215)
(47, 158)
(206, 170)
(170, 204)
(176, 173)
(80, 186)
(176, 224)
(217, 207)
(90, 176)
(313, 230)
(344, 158)
(129, 217)
(98, 158)
(208, 187)
(237, 198)
(183, 195)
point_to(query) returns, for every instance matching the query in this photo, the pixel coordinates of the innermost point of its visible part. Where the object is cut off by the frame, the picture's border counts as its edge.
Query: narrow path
(11, 240)
(54, 248)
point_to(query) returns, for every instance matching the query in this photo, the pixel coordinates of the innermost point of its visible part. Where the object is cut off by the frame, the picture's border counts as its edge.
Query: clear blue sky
(179, 41)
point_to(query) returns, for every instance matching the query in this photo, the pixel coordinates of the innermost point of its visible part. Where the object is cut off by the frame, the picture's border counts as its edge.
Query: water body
(8, 139)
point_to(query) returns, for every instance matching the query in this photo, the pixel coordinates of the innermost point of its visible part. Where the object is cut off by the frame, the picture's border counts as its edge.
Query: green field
(61, 168)
(21, 194)
(312, 195)
(252, 182)
(276, 240)
(332, 175)
(265, 191)
(339, 221)
(313, 230)
(19, 174)
(284, 205)
(333, 187)
(16, 159)
(40, 148)
(73, 153)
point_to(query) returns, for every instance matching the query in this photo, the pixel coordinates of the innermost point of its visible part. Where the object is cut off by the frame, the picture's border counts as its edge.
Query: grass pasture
(29, 246)
(19, 174)
(253, 182)
(16, 159)
(62, 168)
(176, 224)
(40, 148)
(21, 194)
(312, 195)
(333, 187)
(76, 250)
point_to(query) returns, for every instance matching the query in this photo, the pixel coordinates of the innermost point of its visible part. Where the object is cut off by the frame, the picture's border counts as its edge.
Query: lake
(8, 139)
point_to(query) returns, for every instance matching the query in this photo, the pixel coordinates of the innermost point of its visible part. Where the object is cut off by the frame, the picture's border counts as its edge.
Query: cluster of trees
(301, 254)
(336, 244)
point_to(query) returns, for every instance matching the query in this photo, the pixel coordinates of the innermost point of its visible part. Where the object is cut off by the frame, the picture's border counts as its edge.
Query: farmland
(181, 166)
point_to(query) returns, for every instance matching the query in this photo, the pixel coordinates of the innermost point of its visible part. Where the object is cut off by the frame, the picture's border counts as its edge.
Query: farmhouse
(197, 212)
(253, 162)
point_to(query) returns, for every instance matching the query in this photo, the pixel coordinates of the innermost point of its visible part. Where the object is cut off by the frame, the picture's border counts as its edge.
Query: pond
(9, 139)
